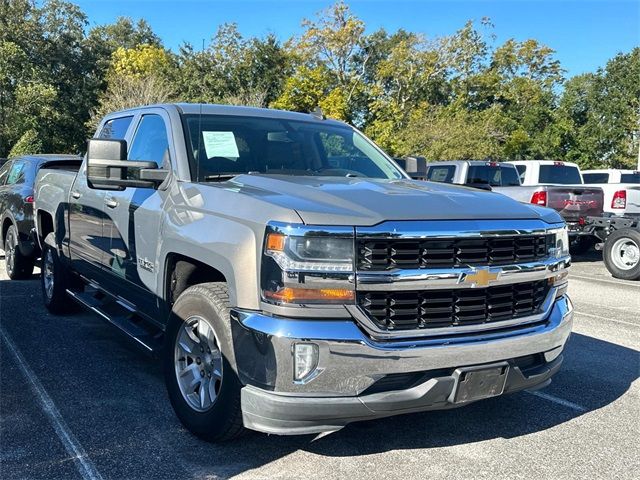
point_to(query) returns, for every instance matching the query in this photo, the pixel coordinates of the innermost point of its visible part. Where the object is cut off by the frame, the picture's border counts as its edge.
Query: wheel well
(45, 226)
(183, 272)
(5, 228)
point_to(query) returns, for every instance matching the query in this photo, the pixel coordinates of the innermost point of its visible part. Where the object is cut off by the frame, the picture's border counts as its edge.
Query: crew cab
(292, 278)
(621, 190)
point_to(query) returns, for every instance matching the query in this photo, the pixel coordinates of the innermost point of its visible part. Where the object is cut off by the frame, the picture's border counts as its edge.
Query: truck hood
(366, 201)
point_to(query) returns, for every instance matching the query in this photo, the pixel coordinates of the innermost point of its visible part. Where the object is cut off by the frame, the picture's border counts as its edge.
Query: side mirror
(479, 185)
(416, 167)
(109, 169)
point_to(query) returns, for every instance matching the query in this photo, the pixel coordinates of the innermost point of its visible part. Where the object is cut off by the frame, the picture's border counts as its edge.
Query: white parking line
(71, 445)
(591, 315)
(604, 280)
(558, 400)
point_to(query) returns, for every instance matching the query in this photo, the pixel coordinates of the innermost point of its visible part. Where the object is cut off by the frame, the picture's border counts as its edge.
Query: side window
(150, 143)
(443, 174)
(116, 128)
(16, 173)
(522, 169)
(4, 171)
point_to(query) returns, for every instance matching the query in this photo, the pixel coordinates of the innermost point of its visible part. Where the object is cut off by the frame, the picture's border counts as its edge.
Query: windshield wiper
(220, 177)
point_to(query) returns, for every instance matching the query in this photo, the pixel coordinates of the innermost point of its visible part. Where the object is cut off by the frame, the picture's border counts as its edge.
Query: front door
(134, 218)
(88, 244)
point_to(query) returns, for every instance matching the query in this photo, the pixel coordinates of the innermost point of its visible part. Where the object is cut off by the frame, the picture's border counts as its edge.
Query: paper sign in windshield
(220, 144)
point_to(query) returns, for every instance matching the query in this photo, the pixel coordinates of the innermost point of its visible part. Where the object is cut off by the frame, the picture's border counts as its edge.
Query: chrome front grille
(431, 253)
(410, 310)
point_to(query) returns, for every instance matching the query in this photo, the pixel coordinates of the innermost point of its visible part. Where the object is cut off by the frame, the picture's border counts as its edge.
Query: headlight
(310, 253)
(308, 265)
(560, 247)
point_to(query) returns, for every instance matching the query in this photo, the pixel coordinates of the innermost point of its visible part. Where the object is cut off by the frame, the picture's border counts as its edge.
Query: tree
(602, 111)
(28, 144)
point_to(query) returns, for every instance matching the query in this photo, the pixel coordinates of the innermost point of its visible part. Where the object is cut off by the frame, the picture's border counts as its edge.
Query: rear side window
(116, 128)
(494, 175)
(595, 177)
(443, 173)
(630, 177)
(560, 174)
(522, 170)
(16, 173)
(150, 143)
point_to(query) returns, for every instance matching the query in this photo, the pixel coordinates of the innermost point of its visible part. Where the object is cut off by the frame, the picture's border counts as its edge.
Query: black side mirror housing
(109, 169)
(416, 167)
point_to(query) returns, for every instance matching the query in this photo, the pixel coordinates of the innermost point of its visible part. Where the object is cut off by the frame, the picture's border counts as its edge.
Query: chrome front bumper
(350, 362)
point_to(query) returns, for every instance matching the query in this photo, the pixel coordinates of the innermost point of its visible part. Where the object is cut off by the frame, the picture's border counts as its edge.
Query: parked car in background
(574, 203)
(17, 230)
(621, 190)
(290, 275)
(611, 175)
(559, 185)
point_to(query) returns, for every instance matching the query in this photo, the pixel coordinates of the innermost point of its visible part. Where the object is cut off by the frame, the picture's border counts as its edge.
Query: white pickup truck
(621, 190)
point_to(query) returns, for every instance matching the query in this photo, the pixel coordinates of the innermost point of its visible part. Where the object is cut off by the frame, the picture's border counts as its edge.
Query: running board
(124, 322)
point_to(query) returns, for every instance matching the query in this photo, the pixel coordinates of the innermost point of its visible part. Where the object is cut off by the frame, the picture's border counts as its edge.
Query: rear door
(88, 244)
(134, 218)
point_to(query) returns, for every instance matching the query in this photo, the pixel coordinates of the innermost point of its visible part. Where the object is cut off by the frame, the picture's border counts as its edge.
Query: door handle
(76, 194)
(111, 202)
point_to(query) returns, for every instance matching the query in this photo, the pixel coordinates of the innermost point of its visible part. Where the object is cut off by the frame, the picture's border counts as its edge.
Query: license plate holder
(479, 382)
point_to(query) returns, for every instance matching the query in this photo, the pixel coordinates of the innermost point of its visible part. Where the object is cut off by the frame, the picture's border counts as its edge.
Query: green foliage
(457, 96)
(28, 143)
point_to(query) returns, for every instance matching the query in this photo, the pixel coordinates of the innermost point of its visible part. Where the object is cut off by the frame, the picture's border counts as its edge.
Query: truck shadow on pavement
(121, 414)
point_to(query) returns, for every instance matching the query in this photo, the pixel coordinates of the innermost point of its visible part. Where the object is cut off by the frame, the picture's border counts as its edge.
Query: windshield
(560, 174)
(494, 175)
(226, 145)
(630, 177)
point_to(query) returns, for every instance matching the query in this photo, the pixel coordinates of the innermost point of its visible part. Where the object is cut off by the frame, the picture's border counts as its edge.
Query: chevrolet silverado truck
(292, 278)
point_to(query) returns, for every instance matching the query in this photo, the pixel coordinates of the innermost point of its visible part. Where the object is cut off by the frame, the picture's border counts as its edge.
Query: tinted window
(4, 170)
(442, 173)
(234, 145)
(150, 143)
(595, 177)
(494, 175)
(560, 174)
(116, 128)
(522, 169)
(16, 173)
(630, 177)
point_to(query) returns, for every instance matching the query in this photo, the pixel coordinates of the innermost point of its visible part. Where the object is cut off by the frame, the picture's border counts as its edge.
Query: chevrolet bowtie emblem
(481, 277)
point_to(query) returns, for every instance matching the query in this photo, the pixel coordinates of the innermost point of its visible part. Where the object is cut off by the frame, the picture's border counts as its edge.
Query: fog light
(305, 360)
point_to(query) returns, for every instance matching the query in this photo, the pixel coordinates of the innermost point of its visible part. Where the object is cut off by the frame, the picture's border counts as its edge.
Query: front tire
(203, 387)
(54, 280)
(18, 266)
(621, 254)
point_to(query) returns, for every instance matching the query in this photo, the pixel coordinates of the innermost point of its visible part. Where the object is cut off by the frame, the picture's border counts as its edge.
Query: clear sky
(585, 34)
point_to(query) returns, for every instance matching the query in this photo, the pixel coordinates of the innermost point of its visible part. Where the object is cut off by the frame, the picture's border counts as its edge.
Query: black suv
(17, 176)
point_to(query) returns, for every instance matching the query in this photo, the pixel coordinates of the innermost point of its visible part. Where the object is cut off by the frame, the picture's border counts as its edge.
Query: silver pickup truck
(291, 278)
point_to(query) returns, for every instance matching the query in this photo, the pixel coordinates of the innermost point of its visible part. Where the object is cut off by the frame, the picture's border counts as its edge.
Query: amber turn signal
(302, 295)
(275, 242)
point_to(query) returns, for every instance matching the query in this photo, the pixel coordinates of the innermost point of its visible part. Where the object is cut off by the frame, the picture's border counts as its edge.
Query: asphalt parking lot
(77, 401)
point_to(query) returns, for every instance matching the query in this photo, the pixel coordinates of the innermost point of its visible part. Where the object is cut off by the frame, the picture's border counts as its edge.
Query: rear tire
(203, 387)
(55, 280)
(621, 254)
(18, 266)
